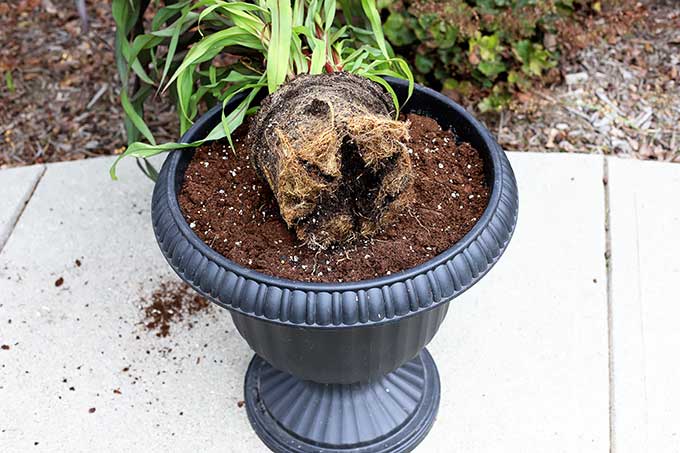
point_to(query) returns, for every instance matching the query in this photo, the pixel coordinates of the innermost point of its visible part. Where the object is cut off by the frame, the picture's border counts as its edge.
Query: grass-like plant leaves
(272, 41)
(278, 50)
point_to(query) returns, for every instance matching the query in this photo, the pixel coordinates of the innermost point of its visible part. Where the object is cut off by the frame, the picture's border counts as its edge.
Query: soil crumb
(171, 303)
(234, 212)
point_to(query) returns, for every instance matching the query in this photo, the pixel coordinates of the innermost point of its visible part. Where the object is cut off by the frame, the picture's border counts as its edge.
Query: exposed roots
(335, 159)
(377, 137)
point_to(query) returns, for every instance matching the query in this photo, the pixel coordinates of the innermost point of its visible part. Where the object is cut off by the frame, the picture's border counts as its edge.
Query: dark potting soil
(235, 213)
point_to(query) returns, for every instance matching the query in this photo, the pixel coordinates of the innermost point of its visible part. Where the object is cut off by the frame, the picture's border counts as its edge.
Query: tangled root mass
(333, 156)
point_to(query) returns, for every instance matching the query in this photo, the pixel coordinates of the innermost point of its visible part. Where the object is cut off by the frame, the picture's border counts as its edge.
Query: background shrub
(480, 49)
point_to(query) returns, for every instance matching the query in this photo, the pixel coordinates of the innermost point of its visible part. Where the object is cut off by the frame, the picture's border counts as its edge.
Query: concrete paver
(522, 356)
(70, 344)
(16, 186)
(645, 310)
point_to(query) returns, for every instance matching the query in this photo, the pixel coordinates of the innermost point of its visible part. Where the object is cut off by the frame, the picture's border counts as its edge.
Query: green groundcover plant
(206, 52)
(490, 46)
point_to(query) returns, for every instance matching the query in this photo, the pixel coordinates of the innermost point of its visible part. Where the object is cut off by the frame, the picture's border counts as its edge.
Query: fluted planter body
(352, 332)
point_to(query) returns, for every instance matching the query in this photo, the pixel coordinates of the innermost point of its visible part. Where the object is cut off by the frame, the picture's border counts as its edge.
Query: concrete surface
(523, 356)
(16, 186)
(645, 305)
(82, 334)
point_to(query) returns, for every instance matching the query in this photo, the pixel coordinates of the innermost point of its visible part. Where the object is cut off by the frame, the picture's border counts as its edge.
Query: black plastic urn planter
(342, 366)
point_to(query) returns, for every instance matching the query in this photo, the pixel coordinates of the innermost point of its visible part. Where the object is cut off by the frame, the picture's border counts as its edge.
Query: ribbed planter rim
(503, 180)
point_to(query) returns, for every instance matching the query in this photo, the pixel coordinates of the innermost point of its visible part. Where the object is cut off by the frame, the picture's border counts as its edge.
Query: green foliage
(493, 45)
(9, 81)
(535, 59)
(207, 51)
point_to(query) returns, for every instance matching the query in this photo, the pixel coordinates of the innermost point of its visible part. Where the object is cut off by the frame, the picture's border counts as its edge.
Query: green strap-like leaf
(232, 121)
(388, 88)
(136, 119)
(212, 44)
(172, 47)
(166, 13)
(329, 7)
(240, 13)
(278, 51)
(339, 33)
(318, 57)
(145, 150)
(371, 11)
(298, 12)
(312, 7)
(148, 169)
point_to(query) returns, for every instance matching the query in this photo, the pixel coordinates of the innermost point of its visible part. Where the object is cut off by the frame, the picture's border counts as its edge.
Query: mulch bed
(619, 95)
(60, 99)
(229, 208)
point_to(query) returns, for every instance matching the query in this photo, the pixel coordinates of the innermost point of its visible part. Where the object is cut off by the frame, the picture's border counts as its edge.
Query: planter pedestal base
(392, 414)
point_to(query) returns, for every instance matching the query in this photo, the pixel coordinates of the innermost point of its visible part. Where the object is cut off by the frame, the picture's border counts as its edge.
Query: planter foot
(392, 414)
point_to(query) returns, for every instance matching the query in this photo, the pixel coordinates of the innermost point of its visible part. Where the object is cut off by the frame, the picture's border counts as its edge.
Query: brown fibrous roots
(336, 160)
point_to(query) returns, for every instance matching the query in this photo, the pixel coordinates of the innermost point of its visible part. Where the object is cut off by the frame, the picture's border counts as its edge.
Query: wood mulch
(59, 88)
(618, 96)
